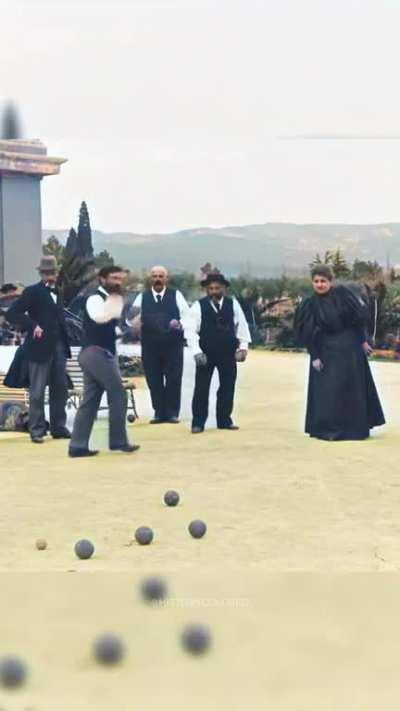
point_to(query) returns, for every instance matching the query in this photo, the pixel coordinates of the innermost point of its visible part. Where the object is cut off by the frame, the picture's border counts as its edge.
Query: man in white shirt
(220, 338)
(164, 314)
(99, 362)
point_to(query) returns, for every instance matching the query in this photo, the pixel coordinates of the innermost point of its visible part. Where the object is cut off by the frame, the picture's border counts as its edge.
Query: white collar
(159, 293)
(103, 290)
(221, 303)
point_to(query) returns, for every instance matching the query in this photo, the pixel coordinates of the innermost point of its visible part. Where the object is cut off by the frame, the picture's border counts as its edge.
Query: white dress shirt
(52, 293)
(102, 311)
(241, 327)
(183, 307)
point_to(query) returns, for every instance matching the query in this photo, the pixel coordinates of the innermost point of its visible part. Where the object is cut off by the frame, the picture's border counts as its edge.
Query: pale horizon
(172, 114)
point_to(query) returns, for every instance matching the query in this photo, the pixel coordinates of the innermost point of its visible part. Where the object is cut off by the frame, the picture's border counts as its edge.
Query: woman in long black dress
(342, 400)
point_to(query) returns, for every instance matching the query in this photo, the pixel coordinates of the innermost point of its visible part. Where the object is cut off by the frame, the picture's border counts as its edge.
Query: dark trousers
(163, 368)
(100, 374)
(227, 371)
(52, 373)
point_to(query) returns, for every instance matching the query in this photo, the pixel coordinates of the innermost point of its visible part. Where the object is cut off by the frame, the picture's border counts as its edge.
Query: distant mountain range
(260, 250)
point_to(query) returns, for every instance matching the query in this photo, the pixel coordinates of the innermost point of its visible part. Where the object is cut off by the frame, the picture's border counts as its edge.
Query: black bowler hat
(215, 277)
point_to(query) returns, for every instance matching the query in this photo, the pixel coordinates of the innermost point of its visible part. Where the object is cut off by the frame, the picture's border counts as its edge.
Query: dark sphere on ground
(144, 535)
(196, 639)
(108, 649)
(13, 672)
(171, 498)
(84, 549)
(41, 544)
(131, 418)
(197, 529)
(154, 589)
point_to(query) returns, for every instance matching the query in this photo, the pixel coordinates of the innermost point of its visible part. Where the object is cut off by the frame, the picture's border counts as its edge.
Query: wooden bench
(13, 394)
(74, 371)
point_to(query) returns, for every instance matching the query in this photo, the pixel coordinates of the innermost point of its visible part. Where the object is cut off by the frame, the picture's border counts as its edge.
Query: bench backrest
(14, 394)
(74, 370)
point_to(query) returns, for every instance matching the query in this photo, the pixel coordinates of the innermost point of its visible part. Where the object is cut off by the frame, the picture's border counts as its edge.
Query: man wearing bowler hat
(40, 312)
(220, 338)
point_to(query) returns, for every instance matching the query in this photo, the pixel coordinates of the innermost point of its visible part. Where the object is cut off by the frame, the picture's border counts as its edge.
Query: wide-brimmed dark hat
(213, 277)
(48, 263)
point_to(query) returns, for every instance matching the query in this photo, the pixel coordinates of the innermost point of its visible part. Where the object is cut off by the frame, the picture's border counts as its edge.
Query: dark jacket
(18, 372)
(35, 307)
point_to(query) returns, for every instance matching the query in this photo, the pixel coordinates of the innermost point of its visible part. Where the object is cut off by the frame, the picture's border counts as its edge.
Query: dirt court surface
(273, 498)
(294, 642)
(286, 575)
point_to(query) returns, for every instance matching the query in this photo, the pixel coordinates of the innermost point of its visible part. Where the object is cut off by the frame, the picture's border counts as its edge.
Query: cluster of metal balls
(108, 649)
(144, 535)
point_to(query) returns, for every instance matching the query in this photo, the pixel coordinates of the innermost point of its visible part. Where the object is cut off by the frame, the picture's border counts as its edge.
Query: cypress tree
(85, 245)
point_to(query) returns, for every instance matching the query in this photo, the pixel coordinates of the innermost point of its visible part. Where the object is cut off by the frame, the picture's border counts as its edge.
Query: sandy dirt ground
(273, 498)
(286, 576)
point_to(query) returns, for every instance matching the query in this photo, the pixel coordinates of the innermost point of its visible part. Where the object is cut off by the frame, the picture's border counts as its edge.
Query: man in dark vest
(164, 314)
(99, 362)
(220, 340)
(39, 311)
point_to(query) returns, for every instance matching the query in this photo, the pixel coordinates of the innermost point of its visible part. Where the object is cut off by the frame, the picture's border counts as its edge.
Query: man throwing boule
(99, 362)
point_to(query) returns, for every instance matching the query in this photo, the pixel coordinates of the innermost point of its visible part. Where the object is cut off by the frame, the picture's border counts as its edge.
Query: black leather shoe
(197, 430)
(62, 434)
(37, 440)
(126, 448)
(156, 421)
(232, 427)
(76, 452)
(173, 420)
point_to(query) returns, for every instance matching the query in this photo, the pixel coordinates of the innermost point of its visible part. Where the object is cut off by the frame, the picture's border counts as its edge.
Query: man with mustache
(163, 315)
(40, 312)
(99, 363)
(220, 339)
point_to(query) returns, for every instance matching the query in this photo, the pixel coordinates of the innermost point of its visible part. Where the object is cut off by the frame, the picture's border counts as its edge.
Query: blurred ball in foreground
(108, 649)
(144, 535)
(197, 529)
(41, 544)
(154, 589)
(171, 498)
(196, 639)
(84, 549)
(131, 418)
(13, 672)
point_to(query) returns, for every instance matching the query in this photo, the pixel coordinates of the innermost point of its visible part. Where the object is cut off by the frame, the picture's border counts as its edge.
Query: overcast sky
(170, 112)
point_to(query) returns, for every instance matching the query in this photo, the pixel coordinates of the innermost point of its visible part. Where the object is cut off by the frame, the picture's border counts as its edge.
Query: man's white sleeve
(102, 311)
(184, 314)
(134, 311)
(194, 328)
(241, 325)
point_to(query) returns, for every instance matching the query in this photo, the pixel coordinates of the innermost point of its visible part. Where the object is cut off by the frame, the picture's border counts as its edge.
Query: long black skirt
(342, 401)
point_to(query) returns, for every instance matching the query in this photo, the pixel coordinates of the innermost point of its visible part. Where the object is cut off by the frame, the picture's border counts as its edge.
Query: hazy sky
(169, 112)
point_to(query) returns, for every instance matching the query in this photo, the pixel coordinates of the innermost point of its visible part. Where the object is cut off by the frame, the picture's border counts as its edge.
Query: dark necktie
(52, 289)
(158, 297)
(217, 306)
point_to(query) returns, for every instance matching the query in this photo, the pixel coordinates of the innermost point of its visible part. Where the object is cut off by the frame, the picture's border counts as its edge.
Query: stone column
(23, 164)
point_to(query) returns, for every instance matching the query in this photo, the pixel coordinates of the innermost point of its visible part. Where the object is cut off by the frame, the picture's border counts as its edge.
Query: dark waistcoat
(99, 334)
(156, 318)
(217, 331)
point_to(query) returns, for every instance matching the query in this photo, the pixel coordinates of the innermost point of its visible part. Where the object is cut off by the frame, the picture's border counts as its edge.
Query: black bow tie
(52, 289)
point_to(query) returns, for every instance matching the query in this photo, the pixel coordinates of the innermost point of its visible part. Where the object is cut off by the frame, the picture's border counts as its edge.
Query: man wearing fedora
(39, 311)
(220, 338)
